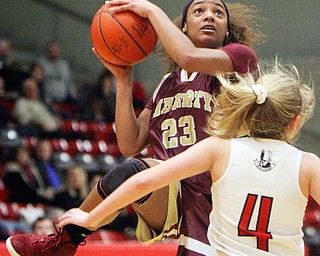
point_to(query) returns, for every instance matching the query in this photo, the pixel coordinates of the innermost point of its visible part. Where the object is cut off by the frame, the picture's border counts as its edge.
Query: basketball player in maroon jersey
(211, 41)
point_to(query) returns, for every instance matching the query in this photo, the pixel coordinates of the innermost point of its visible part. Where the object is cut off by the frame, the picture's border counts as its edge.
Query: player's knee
(119, 174)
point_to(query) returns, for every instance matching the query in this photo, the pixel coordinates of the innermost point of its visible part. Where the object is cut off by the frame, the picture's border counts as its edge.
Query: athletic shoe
(58, 244)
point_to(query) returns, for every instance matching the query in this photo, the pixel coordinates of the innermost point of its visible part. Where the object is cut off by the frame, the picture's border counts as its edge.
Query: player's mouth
(208, 28)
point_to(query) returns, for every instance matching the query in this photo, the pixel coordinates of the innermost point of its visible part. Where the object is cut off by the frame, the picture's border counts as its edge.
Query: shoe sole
(10, 248)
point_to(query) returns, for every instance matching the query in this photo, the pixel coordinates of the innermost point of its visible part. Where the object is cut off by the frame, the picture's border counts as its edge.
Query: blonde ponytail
(262, 108)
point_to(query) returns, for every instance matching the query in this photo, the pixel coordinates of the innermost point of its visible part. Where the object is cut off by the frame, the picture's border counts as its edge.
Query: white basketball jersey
(258, 204)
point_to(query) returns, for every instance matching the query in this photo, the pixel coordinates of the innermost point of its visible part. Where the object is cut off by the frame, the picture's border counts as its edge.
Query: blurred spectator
(2, 86)
(58, 84)
(30, 111)
(43, 226)
(3, 234)
(34, 116)
(36, 72)
(139, 95)
(75, 190)
(6, 120)
(23, 179)
(11, 72)
(11, 227)
(4, 65)
(103, 102)
(4, 53)
(54, 213)
(43, 161)
(5, 117)
(101, 98)
(93, 180)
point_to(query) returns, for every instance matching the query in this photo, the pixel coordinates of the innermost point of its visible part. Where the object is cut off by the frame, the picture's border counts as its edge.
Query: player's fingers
(116, 2)
(119, 5)
(63, 220)
(96, 53)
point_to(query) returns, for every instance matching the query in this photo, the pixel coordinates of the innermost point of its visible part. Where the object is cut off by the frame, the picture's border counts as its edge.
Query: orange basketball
(122, 38)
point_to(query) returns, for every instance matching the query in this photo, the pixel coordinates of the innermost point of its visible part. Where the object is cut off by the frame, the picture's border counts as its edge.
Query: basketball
(122, 38)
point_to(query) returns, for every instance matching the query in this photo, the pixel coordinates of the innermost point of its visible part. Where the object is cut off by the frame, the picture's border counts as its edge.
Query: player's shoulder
(216, 143)
(237, 46)
(309, 159)
(239, 49)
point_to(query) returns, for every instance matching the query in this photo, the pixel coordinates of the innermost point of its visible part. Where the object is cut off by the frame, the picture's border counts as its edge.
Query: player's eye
(218, 12)
(198, 11)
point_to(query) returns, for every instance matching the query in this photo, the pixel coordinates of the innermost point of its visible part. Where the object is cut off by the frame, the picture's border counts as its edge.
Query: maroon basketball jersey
(181, 106)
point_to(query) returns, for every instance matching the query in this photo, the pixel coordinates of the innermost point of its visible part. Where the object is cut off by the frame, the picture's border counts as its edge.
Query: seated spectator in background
(58, 84)
(4, 65)
(6, 120)
(93, 180)
(23, 179)
(11, 227)
(35, 117)
(43, 156)
(2, 86)
(101, 98)
(36, 72)
(75, 190)
(43, 226)
(4, 53)
(102, 104)
(5, 117)
(30, 110)
(11, 71)
(139, 95)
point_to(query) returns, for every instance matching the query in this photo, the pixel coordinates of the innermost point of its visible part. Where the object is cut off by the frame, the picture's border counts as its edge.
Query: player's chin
(209, 41)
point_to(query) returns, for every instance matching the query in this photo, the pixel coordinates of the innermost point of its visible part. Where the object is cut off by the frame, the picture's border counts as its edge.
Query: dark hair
(185, 10)
(242, 29)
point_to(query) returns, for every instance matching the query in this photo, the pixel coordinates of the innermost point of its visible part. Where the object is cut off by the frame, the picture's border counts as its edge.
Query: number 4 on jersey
(263, 217)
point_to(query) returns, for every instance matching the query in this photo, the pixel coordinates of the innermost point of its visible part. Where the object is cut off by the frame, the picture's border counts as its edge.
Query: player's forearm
(128, 126)
(126, 121)
(177, 44)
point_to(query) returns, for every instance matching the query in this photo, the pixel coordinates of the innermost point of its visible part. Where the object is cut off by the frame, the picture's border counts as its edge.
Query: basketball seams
(124, 39)
(104, 40)
(132, 38)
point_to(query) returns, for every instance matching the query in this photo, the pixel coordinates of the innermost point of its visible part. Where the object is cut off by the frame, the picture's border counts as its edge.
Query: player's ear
(184, 29)
(294, 122)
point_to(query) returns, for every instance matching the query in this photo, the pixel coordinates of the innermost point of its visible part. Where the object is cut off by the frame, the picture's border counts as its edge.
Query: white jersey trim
(159, 86)
(184, 76)
(197, 246)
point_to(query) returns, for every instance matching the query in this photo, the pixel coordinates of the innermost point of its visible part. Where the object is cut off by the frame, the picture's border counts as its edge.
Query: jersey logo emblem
(264, 162)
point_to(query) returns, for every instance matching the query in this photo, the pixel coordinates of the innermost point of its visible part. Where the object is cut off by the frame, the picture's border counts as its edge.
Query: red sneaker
(32, 245)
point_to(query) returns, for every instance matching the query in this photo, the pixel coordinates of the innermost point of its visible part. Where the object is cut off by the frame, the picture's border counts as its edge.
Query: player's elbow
(128, 151)
(186, 61)
(143, 185)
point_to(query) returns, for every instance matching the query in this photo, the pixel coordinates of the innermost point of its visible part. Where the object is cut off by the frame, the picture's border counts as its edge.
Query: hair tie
(260, 92)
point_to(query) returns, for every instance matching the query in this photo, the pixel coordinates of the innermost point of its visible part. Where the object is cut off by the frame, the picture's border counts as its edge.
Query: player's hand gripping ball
(122, 38)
